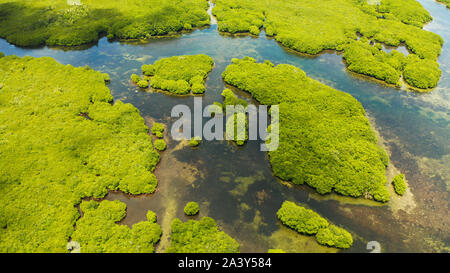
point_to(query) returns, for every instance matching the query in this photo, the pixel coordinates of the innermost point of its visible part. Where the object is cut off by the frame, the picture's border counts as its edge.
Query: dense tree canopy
(238, 134)
(335, 237)
(236, 128)
(308, 222)
(151, 216)
(61, 139)
(229, 98)
(200, 237)
(58, 22)
(422, 73)
(158, 129)
(135, 78)
(301, 219)
(313, 26)
(97, 231)
(325, 139)
(363, 58)
(191, 208)
(180, 74)
(142, 83)
(160, 144)
(399, 184)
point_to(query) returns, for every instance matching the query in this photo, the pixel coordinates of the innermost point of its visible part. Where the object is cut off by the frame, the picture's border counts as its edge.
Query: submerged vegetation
(313, 26)
(399, 184)
(72, 23)
(62, 140)
(201, 236)
(308, 222)
(97, 231)
(180, 74)
(325, 139)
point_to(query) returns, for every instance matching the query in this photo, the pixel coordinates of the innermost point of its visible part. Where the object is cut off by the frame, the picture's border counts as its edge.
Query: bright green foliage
(229, 98)
(148, 70)
(363, 58)
(301, 219)
(160, 144)
(135, 78)
(191, 208)
(309, 222)
(276, 251)
(181, 74)
(198, 84)
(254, 30)
(143, 83)
(61, 140)
(151, 216)
(97, 231)
(195, 141)
(269, 63)
(179, 87)
(325, 139)
(446, 2)
(399, 184)
(232, 130)
(313, 26)
(239, 16)
(421, 73)
(198, 88)
(409, 12)
(56, 22)
(237, 128)
(158, 129)
(200, 237)
(216, 108)
(335, 237)
(106, 77)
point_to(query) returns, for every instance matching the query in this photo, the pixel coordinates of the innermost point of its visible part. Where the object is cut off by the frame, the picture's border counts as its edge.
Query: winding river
(235, 185)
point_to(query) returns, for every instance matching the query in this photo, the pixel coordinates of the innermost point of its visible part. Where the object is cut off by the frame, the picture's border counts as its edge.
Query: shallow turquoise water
(415, 128)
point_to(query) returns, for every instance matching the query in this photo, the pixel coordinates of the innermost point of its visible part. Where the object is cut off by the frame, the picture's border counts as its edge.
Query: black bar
(245, 262)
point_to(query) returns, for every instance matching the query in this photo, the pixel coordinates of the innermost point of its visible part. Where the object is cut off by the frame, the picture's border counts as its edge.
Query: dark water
(235, 186)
